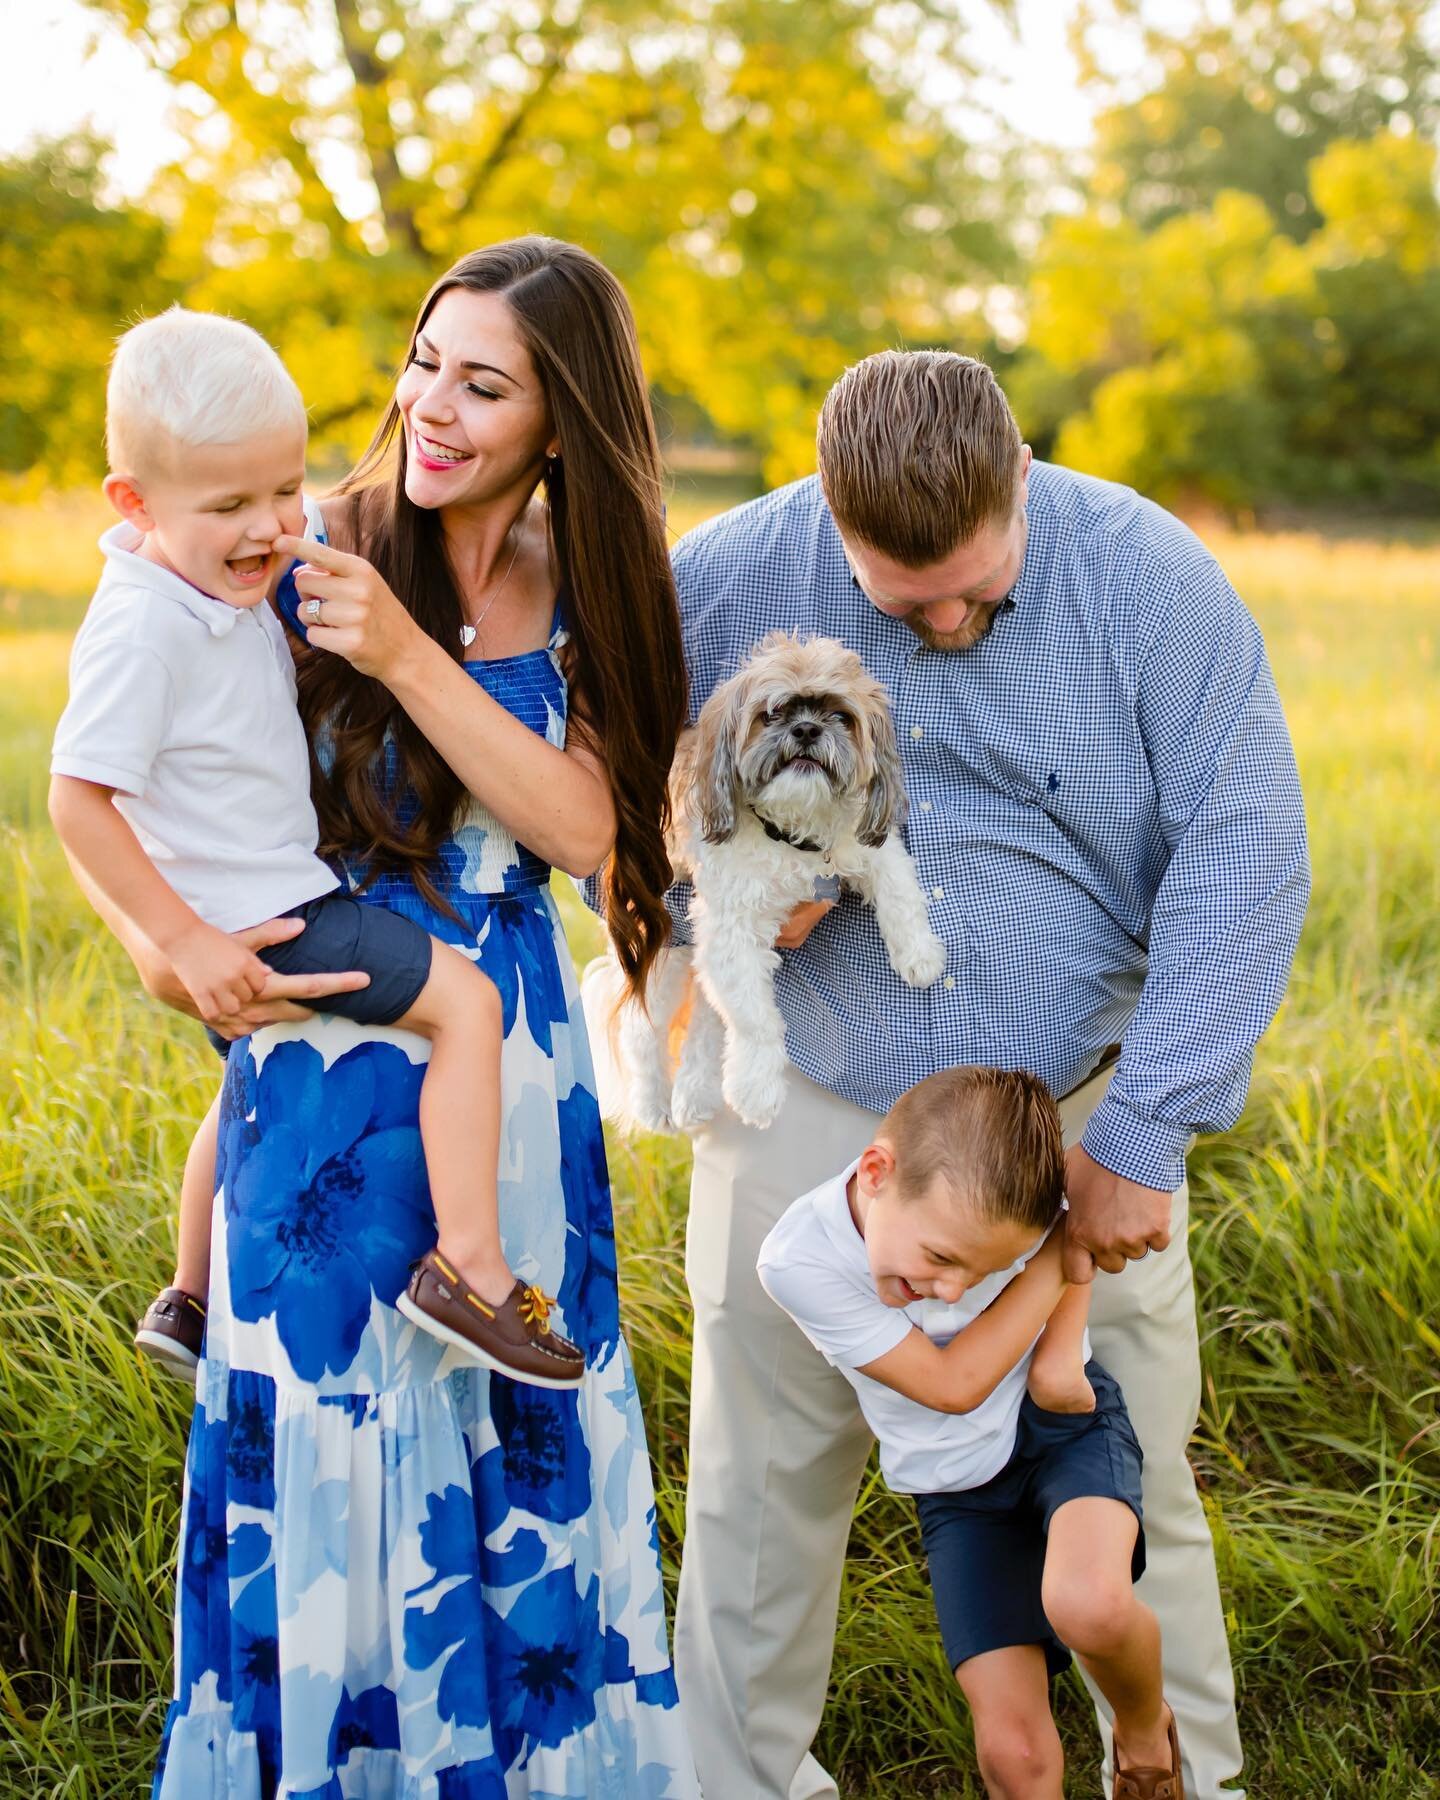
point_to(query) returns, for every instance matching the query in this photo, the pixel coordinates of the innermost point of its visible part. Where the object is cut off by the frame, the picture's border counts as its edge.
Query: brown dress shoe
(514, 1339)
(173, 1331)
(1138, 1783)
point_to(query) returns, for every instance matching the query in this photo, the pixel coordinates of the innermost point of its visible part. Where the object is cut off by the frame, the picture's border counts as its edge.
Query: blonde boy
(181, 792)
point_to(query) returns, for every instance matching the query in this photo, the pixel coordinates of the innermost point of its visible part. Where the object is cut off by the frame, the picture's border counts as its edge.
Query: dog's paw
(652, 1112)
(695, 1098)
(692, 1111)
(755, 1088)
(923, 963)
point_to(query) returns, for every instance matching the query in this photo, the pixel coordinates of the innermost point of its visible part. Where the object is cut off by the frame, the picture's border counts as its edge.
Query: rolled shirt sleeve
(1229, 907)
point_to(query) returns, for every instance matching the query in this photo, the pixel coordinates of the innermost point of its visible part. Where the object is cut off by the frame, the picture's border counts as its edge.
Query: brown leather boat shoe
(514, 1339)
(1139, 1783)
(173, 1332)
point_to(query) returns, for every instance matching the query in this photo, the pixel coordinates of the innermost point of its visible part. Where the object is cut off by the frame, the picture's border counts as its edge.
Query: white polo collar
(839, 1222)
(118, 545)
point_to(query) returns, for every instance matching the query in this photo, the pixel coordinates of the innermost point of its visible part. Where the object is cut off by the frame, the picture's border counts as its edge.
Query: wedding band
(312, 611)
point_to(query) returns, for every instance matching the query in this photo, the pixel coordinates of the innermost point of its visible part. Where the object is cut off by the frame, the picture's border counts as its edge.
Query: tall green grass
(1316, 1245)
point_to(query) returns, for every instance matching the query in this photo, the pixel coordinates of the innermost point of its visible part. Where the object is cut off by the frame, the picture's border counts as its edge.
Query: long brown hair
(627, 671)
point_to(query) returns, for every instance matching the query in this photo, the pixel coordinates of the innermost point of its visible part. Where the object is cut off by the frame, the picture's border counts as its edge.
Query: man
(1105, 811)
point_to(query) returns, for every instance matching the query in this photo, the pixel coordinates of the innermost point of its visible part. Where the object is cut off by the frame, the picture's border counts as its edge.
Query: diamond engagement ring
(312, 611)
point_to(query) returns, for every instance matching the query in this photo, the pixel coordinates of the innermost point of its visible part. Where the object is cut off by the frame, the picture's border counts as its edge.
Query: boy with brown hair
(929, 1274)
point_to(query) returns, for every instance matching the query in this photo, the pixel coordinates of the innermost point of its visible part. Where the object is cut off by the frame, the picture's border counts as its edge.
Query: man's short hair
(992, 1136)
(918, 450)
(183, 380)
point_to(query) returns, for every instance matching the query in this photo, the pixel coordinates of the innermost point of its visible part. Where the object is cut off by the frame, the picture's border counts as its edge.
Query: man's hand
(1111, 1221)
(806, 916)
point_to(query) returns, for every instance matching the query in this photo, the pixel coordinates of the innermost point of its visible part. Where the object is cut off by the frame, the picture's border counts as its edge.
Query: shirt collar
(118, 545)
(839, 1221)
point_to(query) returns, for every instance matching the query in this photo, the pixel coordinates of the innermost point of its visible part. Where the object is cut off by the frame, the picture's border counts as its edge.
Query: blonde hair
(992, 1134)
(185, 379)
(918, 450)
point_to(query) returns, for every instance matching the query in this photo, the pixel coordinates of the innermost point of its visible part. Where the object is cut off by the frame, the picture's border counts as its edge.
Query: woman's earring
(552, 467)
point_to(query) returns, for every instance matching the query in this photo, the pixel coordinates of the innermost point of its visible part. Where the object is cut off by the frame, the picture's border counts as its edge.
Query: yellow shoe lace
(535, 1307)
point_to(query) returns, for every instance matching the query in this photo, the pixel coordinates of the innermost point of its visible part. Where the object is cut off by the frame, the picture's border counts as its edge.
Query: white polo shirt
(186, 707)
(814, 1265)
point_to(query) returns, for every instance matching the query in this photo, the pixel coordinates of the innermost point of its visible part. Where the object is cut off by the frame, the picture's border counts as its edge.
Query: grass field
(1316, 1239)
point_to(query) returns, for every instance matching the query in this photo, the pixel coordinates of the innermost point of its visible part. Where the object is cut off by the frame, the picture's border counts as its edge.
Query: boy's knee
(465, 989)
(1093, 1617)
(1018, 1757)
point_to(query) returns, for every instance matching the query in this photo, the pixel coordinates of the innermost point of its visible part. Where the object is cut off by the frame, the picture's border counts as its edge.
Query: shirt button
(949, 981)
(937, 893)
(917, 732)
(925, 806)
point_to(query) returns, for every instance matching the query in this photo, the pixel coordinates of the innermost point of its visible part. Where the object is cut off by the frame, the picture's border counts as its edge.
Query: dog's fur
(802, 738)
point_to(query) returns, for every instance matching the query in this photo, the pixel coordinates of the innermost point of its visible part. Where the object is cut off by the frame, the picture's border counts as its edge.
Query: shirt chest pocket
(1078, 773)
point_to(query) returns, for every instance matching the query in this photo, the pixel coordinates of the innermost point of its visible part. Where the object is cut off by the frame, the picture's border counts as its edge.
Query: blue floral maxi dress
(401, 1577)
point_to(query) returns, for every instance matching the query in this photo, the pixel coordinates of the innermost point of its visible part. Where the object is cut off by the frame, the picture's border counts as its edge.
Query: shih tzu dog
(788, 789)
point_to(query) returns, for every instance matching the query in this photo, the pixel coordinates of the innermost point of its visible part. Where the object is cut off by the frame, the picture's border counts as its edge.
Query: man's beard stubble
(976, 625)
(978, 620)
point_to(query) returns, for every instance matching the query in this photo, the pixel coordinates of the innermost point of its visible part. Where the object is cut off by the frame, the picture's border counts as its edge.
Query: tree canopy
(766, 177)
(1234, 294)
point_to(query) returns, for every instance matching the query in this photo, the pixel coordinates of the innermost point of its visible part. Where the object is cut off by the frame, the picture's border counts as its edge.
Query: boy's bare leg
(459, 1010)
(1016, 1743)
(1057, 1380)
(197, 1195)
(1091, 1604)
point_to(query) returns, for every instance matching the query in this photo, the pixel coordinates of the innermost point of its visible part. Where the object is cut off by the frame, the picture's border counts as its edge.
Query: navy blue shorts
(342, 934)
(986, 1545)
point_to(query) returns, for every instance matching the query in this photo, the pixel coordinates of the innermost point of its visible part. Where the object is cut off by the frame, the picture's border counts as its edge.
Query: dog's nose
(805, 731)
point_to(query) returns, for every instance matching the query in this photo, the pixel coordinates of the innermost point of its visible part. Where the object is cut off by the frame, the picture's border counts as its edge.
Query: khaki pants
(778, 1447)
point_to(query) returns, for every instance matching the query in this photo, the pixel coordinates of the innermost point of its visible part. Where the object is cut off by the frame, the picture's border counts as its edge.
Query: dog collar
(776, 835)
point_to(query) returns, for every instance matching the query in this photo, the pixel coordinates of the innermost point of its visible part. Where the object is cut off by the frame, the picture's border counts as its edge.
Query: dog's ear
(884, 808)
(715, 772)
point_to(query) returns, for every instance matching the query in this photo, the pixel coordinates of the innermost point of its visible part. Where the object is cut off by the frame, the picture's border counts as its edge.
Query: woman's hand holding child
(220, 975)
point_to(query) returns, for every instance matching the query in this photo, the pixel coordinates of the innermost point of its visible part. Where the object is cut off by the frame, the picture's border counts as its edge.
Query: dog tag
(827, 887)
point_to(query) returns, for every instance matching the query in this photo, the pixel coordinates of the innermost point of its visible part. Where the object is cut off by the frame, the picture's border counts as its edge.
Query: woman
(401, 1576)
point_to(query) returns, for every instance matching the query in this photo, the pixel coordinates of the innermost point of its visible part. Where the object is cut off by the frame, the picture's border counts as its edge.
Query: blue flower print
(250, 1443)
(543, 1459)
(204, 1577)
(325, 1208)
(625, 1777)
(510, 957)
(238, 1131)
(255, 1656)
(365, 1721)
(589, 1290)
(546, 1661)
(473, 1781)
(454, 1623)
(402, 1576)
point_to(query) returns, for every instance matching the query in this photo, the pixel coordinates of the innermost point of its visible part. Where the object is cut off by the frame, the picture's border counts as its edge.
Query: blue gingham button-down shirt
(1104, 812)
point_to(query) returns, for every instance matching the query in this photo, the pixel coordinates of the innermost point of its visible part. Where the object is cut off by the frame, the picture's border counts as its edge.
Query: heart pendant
(467, 636)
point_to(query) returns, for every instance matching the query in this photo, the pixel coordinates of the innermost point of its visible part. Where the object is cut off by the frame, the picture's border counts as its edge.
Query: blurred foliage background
(1232, 297)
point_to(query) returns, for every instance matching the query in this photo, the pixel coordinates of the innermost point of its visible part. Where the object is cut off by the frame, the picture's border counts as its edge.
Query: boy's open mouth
(244, 566)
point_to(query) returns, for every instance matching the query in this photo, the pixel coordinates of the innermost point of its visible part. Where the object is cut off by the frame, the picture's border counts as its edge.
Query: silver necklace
(468, 633)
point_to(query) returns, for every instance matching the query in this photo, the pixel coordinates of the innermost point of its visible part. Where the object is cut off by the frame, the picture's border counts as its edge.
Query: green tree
(1246, 99)
(765, 176)
(1214, 356)
(72, 271)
